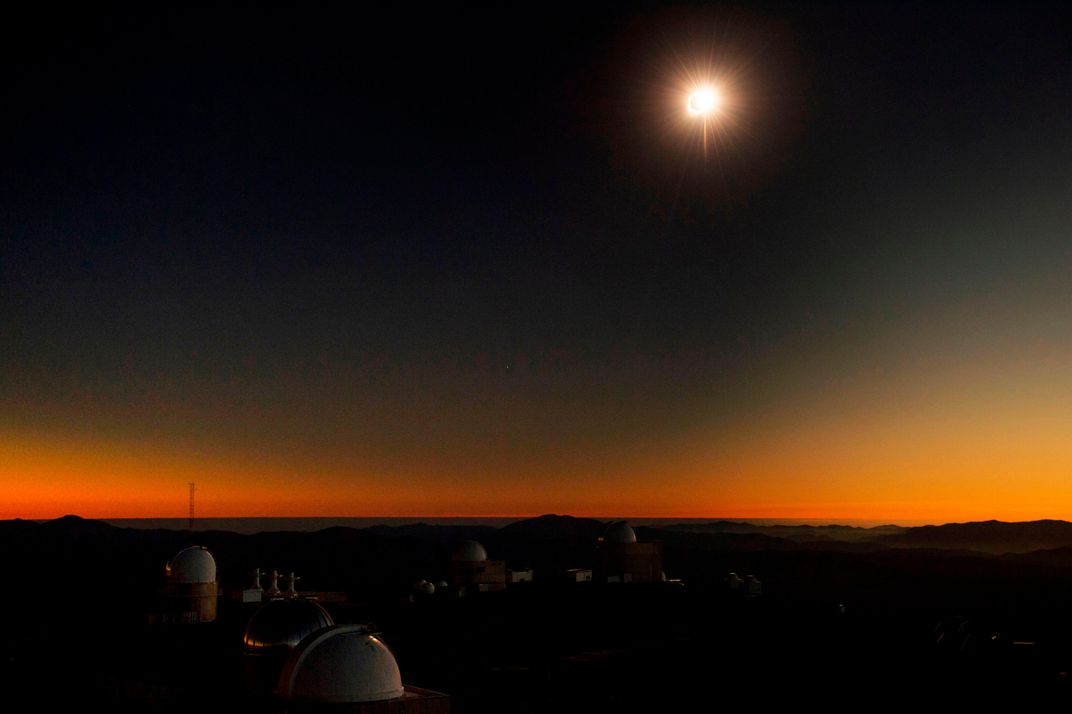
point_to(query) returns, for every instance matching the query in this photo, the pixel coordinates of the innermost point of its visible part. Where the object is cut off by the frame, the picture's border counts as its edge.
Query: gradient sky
(475, 262)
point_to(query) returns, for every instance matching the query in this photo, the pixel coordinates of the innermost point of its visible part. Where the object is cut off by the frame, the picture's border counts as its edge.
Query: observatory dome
(192, 565)
(343, 664)
(284, 623)
(619, 532)
(470, 551)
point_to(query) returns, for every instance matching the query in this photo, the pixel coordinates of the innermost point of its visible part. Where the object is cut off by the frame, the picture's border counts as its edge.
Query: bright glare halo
(703, 101)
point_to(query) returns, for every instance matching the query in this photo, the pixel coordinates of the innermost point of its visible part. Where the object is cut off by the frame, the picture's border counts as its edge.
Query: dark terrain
(847, 615)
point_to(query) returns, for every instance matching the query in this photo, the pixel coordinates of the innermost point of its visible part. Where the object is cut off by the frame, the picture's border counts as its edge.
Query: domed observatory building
(347, 668)
(472, 571)
(624, 559)
(272, 632)
(190, 589)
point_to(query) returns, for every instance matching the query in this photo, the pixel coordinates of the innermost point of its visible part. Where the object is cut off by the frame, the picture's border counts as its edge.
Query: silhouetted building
(519, 576)
(190, 588)
(623, 559)
(579, 575)
(472, 571)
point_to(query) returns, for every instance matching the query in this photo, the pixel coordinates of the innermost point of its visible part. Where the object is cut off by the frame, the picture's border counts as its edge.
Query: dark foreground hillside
(837, 623)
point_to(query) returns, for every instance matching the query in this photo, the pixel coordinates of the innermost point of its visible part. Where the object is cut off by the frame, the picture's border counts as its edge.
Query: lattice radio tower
(191, 524)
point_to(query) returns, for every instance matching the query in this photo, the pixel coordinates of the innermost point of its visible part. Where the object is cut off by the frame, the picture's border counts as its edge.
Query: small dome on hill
(469, 551)
(619, 532)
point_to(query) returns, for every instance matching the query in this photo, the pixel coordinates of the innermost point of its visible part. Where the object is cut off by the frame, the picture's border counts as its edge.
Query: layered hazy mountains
(992, 537)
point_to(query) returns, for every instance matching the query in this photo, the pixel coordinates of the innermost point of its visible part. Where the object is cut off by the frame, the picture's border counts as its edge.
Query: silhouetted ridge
(12, 531)
(987, 536)
(555, 527)
(1053, 557)
(425, 531)
(802, 532)
(76, 525)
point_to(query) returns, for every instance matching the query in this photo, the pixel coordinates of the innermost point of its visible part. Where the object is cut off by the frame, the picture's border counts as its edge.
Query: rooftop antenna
(191, 524)
(273, 589)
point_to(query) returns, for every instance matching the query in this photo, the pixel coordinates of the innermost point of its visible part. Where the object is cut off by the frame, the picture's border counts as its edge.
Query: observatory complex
(297, 655)
(294, 657)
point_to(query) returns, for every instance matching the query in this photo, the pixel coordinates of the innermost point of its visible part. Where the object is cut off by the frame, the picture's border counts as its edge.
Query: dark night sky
(464, 260)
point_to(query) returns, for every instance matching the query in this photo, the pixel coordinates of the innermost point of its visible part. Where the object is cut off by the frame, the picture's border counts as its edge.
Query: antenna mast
(191, 525)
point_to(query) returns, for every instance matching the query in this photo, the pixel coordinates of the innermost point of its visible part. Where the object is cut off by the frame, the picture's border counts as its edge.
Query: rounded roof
(470, 551)
(343, 664)
(619, 532)
(192, 565)
(284, 623)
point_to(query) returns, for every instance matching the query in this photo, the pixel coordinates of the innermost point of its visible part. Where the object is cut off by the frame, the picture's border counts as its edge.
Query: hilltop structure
(472, 571)
(191, 589)
(624, 559)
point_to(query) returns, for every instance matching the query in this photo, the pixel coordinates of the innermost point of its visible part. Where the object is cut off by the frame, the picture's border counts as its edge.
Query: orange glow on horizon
(972, 441)
(947, 467)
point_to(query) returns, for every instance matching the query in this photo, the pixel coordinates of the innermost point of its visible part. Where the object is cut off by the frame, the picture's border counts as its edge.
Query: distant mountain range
(996, 537)
(992, 537)
(74, 567)
(799, 533)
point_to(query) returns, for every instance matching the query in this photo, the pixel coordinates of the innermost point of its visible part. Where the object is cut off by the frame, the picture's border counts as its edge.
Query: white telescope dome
(192, 565)
(284, 623)
(470, 551)
(619, 532)
(343, 664)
